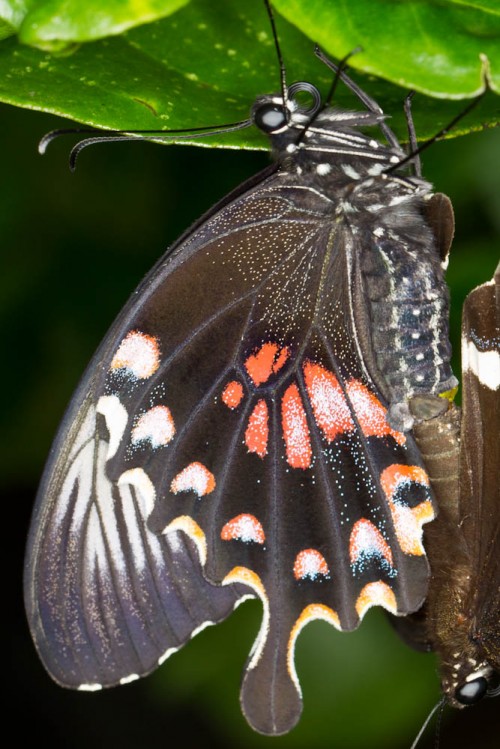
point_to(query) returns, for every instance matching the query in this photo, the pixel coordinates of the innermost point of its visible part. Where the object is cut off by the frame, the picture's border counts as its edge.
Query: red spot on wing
(243, 528)
(232, 394)
(330, 407)
(295, 429)
(370, 413)
(310, 563)
(257, 431)
(366, 539)
(268, 360)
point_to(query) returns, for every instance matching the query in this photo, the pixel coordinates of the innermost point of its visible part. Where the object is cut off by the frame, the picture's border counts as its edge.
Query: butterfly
(461, 617)
(244, 428)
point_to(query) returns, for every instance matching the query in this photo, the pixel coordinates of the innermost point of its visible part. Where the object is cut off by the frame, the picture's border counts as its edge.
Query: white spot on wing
(166, 655)
(129, 679)
(116, 417)
(195, 477)
(155, 426)
(138, 354)
(138, 496)
(204, 625)
(485, 365)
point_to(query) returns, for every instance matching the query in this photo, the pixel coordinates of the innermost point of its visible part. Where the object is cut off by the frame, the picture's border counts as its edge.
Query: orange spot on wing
(330, 407)
(257, 431)
(281, 359)
(245, 528)
(295, 429)
(370, 413)
(397, 474)
(367, 539)
(376, 594)
(268, 360)
(232, 394)
(408, 521)
(310, 563)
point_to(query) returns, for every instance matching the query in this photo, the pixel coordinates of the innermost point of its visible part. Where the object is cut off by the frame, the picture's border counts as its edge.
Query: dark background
(74, 246)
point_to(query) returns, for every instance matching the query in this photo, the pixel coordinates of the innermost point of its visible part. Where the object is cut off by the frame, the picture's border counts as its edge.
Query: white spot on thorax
(350, 171)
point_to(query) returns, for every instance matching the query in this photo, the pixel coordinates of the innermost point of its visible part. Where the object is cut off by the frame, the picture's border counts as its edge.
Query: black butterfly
(243, 430)
(461, 617)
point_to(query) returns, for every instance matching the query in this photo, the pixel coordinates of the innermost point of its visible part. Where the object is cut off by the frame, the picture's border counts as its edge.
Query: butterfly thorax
(399, 296)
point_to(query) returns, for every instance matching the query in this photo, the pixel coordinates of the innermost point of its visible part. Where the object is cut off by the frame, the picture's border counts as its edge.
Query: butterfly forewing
(243, 430)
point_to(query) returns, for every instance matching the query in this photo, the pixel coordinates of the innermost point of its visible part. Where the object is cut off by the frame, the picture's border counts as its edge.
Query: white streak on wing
(128, 679)
(166, 655)
(80, 472)
(106, 509)
(484, 364)
(95, 550)
(247, 577)
(86, 433)
(133, 530)
(349, 249)
(246, 597)
(116, 417)
(89, 687)
(204, 625)
(143, 499)
(78, 477)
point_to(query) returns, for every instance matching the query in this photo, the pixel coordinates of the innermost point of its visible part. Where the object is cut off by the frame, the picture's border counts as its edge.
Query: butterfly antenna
(131, 135)
(472, 105)
(341, 67)
(370, 104)
(412, 135)
(436, 707)
(439, 723)
(281, 64)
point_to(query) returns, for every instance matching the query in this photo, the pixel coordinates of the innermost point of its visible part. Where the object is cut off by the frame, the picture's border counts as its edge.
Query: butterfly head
(277, 114)
(463, 686)
(303, 128)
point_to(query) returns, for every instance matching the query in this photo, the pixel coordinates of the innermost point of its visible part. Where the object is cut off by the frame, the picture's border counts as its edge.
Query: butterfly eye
(472, 691)
(270, 117)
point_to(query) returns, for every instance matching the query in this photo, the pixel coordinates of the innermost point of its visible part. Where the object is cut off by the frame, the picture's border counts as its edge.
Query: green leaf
(433, 47)
(12, 13)
(57, 25)
(205, 64)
